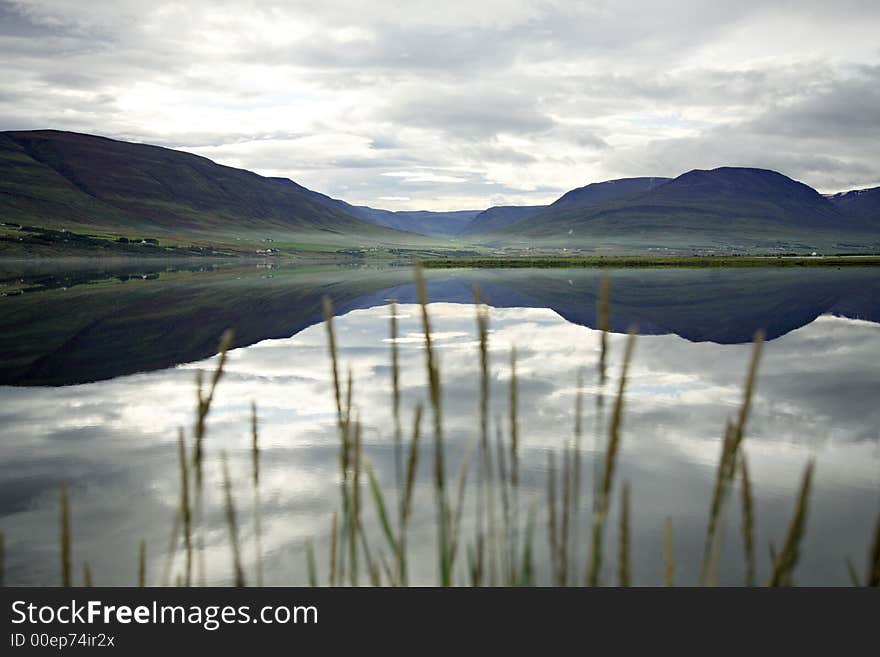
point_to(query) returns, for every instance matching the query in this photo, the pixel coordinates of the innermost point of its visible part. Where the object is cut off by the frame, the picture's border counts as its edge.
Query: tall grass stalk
(232, 523)
(409, 489)
(442, 505)
(748, 521)
(395, 412)
(508, 565)
(785, 562)
(2, 558)
(172, 549)
(726, 473)
(607, 477)
(624, 577)
(668, 556)
(203, 407)
(347, 539)
(255, 467)
(87, 575)
(872, 578)
(184, 513)
(514, 457)
(142, 564)
(603, 316)
(65, 537)
(310, 563)
(576, 474)
(552, 521)
(455, 522)
(332, 558)
(486, 492)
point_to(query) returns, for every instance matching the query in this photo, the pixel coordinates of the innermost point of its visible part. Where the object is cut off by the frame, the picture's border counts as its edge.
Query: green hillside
(63, 180)
(722, 209)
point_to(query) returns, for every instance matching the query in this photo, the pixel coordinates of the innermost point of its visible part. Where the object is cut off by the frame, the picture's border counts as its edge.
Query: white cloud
(532, 97)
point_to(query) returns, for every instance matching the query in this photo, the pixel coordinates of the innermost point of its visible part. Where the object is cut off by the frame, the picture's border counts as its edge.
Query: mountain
(423, 222)
(861, 203)
(68, 180)
(590, 195)
(602, 192)
(499, 216)
(728, 208)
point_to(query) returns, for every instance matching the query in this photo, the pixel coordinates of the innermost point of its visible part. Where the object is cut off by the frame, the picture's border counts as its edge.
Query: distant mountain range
(66, 180)
(739, 207)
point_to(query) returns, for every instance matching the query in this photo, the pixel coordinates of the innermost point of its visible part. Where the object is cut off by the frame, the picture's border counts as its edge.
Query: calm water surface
(99, 376)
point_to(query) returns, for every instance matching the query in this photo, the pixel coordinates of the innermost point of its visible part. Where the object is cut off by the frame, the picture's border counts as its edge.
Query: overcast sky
(458, 105)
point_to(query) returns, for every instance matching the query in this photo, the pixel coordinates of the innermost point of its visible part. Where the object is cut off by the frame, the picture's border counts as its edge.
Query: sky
(459, 104)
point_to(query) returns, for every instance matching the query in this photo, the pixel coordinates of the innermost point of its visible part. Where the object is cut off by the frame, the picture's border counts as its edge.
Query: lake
(98, 367)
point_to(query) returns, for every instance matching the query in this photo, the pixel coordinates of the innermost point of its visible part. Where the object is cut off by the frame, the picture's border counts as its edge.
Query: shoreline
(625, 262)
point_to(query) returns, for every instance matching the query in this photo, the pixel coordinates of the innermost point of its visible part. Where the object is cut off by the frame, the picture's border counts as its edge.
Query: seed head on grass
(785, 562)
(87, 575)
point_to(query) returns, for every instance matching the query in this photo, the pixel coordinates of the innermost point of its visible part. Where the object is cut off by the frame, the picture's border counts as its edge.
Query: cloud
(533, 97)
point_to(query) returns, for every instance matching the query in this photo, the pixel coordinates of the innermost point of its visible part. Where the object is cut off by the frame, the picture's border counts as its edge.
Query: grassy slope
(85, 183)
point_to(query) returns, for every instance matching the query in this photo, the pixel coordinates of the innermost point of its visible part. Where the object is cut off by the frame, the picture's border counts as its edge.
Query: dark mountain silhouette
(62, 179)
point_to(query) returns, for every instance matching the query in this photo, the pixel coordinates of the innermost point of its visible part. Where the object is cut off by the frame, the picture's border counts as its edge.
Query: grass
(499, 549)
(653, 261)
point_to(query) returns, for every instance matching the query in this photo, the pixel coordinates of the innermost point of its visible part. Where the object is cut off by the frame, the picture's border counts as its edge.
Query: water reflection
(95, 332)
(114, 439)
